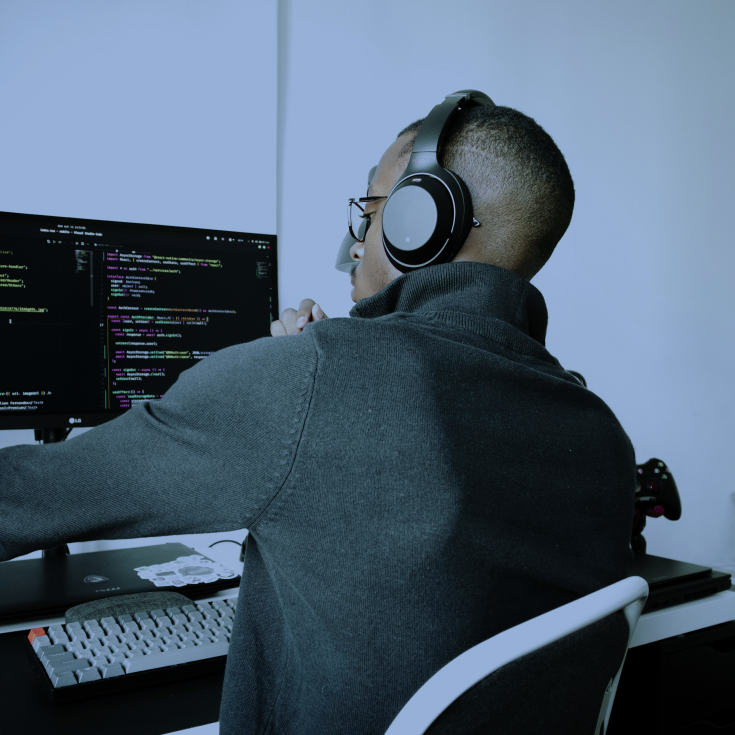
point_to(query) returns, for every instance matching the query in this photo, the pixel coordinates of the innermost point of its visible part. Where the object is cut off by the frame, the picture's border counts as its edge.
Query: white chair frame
(463, 672)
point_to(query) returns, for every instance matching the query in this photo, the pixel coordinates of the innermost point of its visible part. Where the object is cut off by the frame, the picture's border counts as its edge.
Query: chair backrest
(556, 673)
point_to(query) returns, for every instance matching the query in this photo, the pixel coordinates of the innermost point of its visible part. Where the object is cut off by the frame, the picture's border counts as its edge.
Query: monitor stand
(51, 436)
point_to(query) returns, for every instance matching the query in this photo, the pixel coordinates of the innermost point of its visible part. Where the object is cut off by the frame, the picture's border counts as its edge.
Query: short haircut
(520, 184)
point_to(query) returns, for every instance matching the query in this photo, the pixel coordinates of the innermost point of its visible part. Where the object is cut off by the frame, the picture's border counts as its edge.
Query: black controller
(656, 495)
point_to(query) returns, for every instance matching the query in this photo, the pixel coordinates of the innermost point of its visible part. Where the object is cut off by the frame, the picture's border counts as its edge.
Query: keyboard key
(59, 658)
(64, 679)
(40, 641)
(71, 666)
(54, 650)
(194, 653)
(188, 609)
(124, 619)
(57, 637)
(111, 669)
(141, 616)
(171, 611)
(35, 633)
(85, 675)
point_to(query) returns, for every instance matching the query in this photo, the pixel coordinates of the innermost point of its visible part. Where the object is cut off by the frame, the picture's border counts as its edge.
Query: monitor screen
(96, 316)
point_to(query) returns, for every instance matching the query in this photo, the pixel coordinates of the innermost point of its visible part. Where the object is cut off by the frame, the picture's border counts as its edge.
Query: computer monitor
(96, 316)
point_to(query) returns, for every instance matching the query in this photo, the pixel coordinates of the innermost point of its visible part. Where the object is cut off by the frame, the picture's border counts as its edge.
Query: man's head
(521, 189)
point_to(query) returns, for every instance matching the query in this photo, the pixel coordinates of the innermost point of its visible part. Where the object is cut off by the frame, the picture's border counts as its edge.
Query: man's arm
(206, 457)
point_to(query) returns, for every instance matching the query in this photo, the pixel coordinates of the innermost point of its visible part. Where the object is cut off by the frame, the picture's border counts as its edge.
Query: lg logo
(75, 421)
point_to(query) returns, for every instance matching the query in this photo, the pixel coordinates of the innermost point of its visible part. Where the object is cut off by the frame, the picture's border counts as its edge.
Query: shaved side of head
(521, 188)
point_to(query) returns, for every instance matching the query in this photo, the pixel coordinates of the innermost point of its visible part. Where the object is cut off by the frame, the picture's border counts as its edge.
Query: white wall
(162, 113)
(639, 98)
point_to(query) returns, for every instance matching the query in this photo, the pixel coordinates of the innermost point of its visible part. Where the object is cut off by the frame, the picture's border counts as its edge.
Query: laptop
(38, 588)
(672, 582)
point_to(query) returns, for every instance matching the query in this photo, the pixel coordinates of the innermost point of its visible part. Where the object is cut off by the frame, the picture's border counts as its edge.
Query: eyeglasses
(360, 213)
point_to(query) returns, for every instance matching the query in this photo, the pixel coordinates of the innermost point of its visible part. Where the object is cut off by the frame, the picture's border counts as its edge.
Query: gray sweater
(415, 479)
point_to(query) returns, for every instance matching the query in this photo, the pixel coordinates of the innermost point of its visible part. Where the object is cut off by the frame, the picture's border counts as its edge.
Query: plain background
(637, 95)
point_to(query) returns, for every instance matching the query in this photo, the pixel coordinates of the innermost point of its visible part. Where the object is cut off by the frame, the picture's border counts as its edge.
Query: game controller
(656, 495)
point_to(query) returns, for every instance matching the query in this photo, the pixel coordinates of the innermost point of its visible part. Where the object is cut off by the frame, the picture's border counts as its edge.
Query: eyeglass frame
(362, 209)
(350, 202)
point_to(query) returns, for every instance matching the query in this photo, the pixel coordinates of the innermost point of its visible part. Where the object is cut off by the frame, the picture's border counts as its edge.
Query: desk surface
(196, 701)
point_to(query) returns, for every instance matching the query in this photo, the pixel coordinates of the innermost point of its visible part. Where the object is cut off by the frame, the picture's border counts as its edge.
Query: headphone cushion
(410, 218)
(417, 220)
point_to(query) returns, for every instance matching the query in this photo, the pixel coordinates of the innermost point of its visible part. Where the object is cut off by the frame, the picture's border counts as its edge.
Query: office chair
(556, 673)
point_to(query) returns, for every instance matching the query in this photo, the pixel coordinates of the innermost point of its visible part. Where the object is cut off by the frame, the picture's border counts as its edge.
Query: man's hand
(293, 322)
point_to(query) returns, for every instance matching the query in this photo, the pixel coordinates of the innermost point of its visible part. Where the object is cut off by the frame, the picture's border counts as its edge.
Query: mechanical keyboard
(78, 660)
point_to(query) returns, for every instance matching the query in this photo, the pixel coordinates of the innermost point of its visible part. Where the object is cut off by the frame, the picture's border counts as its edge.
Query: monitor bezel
(21, 421)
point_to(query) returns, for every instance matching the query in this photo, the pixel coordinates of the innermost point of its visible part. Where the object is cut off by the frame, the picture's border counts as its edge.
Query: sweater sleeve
(208, 456)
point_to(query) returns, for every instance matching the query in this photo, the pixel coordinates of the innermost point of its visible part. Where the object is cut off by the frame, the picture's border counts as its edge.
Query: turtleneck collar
(460, 289)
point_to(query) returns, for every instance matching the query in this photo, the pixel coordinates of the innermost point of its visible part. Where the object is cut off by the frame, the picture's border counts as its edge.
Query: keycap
(63, 679)
(40, 641)
(111, 669)
(90, 674)
(185, 655)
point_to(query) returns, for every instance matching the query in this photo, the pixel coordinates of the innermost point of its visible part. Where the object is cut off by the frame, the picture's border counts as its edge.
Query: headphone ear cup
(417, 221)
(410, 218)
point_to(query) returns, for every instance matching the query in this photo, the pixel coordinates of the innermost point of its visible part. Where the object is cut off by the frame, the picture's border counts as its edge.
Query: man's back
(415, 480)
(450, 481)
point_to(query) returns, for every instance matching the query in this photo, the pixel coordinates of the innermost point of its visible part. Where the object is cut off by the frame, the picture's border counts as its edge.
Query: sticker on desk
(185, 570)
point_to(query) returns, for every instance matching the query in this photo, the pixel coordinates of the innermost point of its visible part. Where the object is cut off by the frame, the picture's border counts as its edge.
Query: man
(415, 479)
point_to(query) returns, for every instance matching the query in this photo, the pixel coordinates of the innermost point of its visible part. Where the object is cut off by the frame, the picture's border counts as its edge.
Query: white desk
(684, 618)
(653, 626)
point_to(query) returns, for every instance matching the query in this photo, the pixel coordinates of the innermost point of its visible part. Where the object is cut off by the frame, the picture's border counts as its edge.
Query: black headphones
(428, 214)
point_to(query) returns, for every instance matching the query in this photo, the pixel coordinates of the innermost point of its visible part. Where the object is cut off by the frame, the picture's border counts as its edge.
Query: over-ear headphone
(428, 214)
